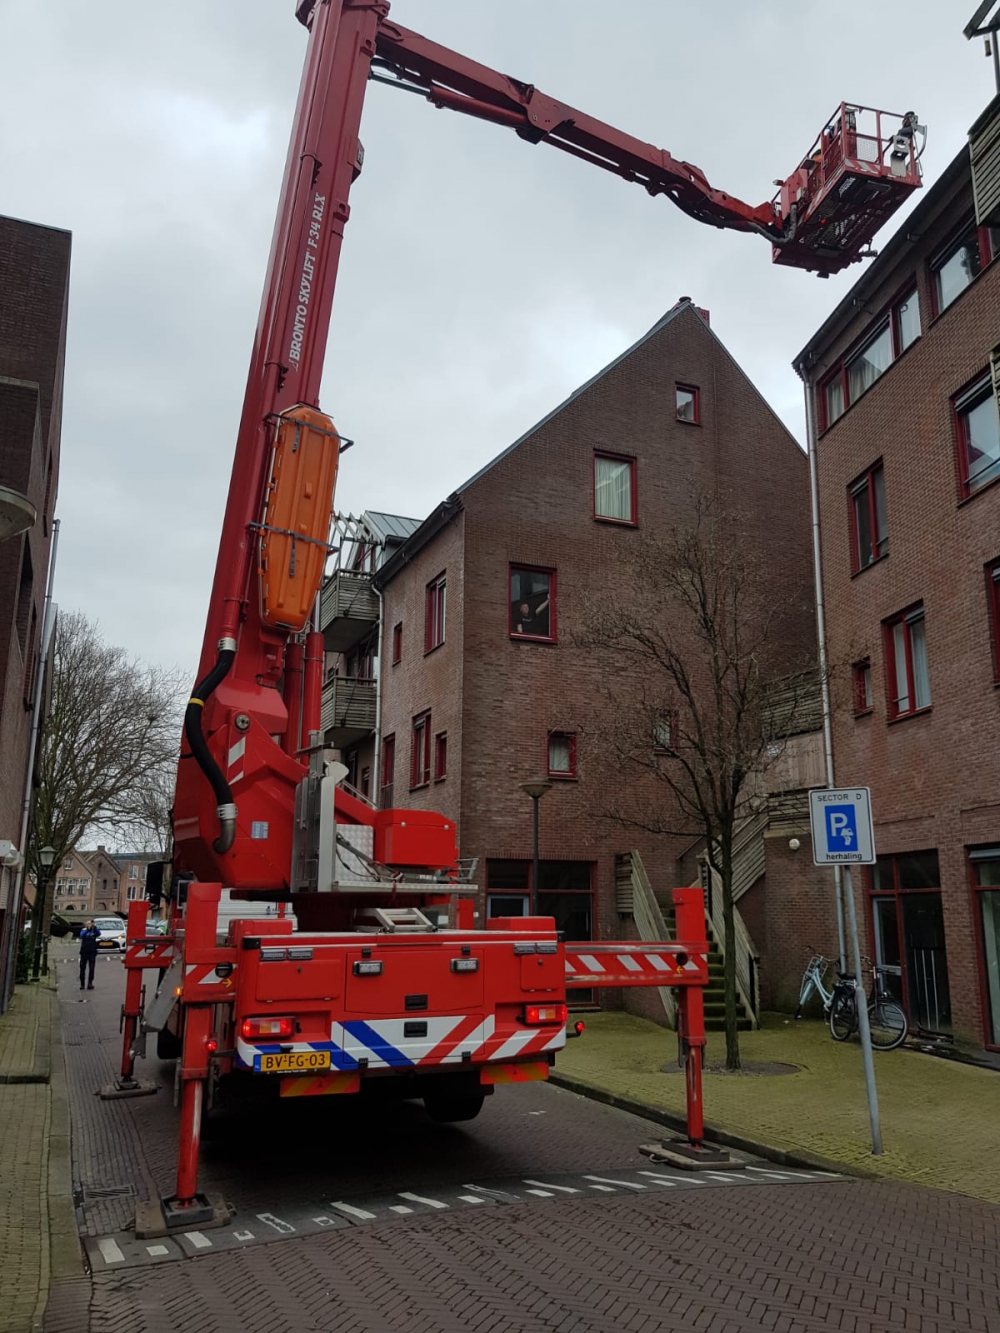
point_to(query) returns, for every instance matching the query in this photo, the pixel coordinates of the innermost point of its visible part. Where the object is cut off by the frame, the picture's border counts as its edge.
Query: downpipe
(202, 692)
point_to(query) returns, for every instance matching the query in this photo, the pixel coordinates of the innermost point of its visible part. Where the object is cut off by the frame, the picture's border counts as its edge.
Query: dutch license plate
(292, 1062)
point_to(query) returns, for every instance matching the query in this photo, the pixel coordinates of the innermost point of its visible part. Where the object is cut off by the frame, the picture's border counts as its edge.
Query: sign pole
(843, 834)
(864, 1030)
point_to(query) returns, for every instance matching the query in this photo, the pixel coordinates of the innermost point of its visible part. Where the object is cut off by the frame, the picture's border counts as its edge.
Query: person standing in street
(88, 953)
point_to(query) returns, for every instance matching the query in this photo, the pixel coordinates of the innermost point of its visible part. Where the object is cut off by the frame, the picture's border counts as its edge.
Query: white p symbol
(840, 829)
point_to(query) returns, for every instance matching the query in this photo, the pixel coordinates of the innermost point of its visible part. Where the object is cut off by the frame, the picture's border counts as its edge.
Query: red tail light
(266, 1029)
(542, 1015)
(211, 1046)
(579, 1027)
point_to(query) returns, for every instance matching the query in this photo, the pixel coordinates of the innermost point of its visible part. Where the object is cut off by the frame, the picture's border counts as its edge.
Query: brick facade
(34, 286)
(934, 770)
(500, 697)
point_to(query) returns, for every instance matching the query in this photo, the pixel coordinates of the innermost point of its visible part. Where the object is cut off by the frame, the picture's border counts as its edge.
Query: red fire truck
(361, 971)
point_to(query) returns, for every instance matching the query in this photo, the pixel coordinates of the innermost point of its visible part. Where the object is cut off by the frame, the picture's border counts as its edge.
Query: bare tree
(108, 752)
(699, 642)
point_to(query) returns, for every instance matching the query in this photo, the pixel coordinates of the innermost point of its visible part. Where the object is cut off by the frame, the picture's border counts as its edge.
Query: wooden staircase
(715, 993)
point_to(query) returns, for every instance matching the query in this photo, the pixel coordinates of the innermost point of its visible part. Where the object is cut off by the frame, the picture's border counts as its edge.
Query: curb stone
(672, 1120)
(41, 1071)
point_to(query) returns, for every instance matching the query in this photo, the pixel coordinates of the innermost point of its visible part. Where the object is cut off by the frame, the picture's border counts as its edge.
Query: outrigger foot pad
(127, 1087)
(690, 1156)
(159, 1217)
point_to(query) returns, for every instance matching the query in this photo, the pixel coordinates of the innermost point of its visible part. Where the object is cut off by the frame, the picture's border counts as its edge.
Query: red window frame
(987, 253)
(695, 392)
(436, 613)
(420, 751)
(993, 595)
(440, 756)
(633, 521)
(532, 638)
(904, 618)
(973, 393)
(864, 695)
(388, 774)
(866, 482)
(977, 913)
(888, 317)
(563, 774)
(397, 643)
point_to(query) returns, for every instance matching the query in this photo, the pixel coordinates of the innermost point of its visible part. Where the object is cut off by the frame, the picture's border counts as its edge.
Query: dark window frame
(695, 392)
(866, 481)
(970, 396)
(905, 618)
(436, 612)
(552, 636)
(420, 750)
(864, 692)
(632, 522)
(670, 719)
(992, 572)
(387, 775)
(977, 889)
(987, 252)
(397, 643)
(440, 756)
(570, 774)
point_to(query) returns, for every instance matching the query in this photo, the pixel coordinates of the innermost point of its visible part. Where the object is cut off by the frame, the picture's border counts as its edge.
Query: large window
(562, 754)
(869, 527)
(907, 678)
(896, 330)
(985, 862)
(977, 426)
(420, 751)
(434, 624)
(908, 929)
(532, 603)
(961, 263)
(614, 488)
(687, 399)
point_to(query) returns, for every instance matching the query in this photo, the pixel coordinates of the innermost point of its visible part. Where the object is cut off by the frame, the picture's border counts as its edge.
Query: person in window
(528, 621)
(88, 952)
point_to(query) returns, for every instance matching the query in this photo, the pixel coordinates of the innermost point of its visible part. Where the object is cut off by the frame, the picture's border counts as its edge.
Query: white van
(112, 934)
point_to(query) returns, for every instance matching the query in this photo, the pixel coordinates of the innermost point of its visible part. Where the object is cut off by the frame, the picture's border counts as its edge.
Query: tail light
(253, 1029)
(542, 1015)
(211, 1046)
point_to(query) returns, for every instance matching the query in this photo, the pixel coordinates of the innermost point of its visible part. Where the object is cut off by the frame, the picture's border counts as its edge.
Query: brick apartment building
(482, 685)
(903, 377)
(34, 289)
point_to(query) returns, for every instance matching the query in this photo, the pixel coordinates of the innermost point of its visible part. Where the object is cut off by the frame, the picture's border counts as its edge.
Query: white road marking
(790, 1175)
(111, 1251)
(669, 1181)
(542, 1194)
(419, 1198)
(681, 1180)
(471, 1198)
(726, 1176)
(563, 1189)
(605, 1189)
(323, 1221)
(243, 1235)
(156, 1250)
(399, 1208)
(624, 1184)
(283, 1228)
(198, 1240)
(351, 1211)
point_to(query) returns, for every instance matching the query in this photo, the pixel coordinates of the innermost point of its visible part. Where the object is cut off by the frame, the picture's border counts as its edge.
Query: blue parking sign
(841, 828)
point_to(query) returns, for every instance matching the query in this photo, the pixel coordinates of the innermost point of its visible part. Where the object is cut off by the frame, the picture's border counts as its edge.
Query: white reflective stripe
(629, 963)
(591, 963)
(419, 1198)
(514, 1044)
(557, 1041)
(477, 1038)
(392, 1031)
(657, 963)
(624, 1184)
(199, 1241)
(693, 965)
(237, 751)
(351, 1211)
(111, 1252)
(235, 777)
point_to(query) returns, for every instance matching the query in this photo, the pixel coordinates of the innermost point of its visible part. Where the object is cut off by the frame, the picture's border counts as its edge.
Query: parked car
(112, 930)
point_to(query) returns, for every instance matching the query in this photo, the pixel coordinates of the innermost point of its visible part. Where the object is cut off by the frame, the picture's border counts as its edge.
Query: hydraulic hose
(199, 747)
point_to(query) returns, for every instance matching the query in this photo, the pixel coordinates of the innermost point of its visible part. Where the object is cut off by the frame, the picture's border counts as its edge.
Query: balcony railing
(348, 609)
(348, 713)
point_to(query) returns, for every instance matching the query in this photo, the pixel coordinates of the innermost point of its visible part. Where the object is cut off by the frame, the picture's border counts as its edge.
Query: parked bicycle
(886, 1019)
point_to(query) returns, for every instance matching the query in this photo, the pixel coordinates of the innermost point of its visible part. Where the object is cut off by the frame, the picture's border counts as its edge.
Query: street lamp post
(536, 790)
(46, 856)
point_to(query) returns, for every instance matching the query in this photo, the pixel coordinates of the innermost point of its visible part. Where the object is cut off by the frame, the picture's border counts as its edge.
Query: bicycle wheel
(843, 1018)
(888, 1024)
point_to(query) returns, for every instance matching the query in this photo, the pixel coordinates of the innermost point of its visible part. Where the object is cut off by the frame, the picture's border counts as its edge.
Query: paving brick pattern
(19, 1027)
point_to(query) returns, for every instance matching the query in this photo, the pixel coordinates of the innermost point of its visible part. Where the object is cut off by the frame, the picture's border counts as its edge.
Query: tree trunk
(729, 953)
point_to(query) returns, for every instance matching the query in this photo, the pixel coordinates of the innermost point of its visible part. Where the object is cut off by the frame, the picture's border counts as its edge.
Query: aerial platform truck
(363, 971)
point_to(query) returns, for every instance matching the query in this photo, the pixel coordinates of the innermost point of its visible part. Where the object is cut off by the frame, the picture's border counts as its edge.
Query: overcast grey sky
(482, 278)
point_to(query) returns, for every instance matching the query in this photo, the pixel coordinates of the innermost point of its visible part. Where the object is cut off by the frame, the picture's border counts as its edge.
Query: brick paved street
(569, 1234)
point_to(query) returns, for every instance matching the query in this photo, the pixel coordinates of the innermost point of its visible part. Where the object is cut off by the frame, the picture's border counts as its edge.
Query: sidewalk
(940, 1118)
(37, 1226)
